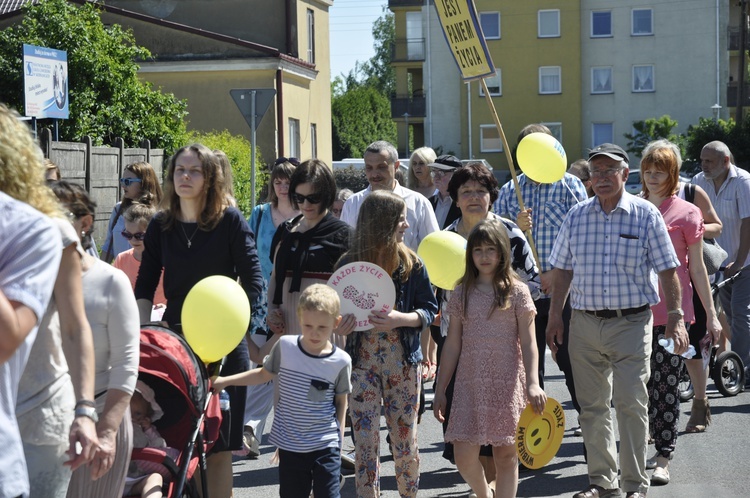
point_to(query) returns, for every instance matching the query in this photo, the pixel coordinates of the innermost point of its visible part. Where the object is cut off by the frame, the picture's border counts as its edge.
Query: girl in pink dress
(492, 347)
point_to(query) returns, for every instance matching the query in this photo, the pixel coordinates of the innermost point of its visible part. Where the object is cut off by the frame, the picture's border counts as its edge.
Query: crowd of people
(579, 266)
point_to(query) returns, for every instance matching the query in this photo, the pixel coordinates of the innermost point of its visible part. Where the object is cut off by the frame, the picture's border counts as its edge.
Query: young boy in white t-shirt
(312, 384)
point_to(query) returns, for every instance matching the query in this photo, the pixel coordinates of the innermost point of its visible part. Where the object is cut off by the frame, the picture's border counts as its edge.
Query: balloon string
(509, 156)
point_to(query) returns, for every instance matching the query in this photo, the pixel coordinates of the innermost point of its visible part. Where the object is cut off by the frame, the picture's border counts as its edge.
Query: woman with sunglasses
(306, 248)
(139, 183)
(195, 236)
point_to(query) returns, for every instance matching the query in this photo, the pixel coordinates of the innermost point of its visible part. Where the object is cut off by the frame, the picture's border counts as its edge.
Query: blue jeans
(735, 299)
(319, 471)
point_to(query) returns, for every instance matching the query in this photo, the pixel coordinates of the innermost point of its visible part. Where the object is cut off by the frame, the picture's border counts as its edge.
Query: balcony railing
(413, 106)
(408, 50)
(405, 3)
(731, 95)
(733, 38)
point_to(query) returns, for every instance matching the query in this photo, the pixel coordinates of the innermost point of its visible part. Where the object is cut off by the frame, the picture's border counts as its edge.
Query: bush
(351, 178)
(237, 149)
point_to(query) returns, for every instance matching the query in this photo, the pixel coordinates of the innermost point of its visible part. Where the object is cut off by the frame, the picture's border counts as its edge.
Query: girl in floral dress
(492, 347)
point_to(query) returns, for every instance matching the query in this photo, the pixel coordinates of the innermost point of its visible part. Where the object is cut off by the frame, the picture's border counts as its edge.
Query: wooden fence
(99, 169)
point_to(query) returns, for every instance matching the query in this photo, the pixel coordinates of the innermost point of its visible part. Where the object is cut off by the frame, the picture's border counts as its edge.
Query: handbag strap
(690, 193)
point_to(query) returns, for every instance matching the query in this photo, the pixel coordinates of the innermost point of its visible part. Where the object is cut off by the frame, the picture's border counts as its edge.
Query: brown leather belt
(616, 313)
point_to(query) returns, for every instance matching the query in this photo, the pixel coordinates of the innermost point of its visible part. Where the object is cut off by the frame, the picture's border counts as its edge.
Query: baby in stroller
(144, 478)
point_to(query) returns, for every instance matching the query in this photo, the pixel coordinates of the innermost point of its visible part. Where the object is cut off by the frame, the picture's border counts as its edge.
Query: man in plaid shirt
(608, 254)
(546, 205)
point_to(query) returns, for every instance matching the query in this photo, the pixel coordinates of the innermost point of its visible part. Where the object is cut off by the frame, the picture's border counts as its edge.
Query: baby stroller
(725, 369)
(192, 416)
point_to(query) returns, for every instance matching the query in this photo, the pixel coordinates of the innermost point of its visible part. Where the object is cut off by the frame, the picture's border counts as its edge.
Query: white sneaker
(347, 460)
(250, 443)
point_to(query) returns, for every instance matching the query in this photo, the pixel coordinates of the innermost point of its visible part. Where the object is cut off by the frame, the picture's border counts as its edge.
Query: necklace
(189, 239)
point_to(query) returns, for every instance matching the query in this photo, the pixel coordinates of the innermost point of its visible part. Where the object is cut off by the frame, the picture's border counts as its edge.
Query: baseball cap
(446, 163)
(610, 150)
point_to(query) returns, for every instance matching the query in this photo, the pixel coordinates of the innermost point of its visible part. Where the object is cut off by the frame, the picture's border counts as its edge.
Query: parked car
(633, 183)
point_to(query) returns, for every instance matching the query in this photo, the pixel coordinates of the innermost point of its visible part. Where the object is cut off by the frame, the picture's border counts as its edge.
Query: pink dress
(490, 391)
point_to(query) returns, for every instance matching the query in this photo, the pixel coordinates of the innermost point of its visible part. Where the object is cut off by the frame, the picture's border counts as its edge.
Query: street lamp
(716, 108)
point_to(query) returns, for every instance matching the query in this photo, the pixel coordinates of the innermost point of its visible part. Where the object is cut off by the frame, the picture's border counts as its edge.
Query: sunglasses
(312, 198)
(290, 160)
(126, 182)
(136, 236)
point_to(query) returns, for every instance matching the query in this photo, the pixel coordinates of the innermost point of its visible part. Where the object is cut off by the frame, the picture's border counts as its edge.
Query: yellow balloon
(444, 256)
(215, 317)
(542, 158)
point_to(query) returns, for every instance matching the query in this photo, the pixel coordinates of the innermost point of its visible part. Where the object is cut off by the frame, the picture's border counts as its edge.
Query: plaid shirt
(549, 203)
(614, 256)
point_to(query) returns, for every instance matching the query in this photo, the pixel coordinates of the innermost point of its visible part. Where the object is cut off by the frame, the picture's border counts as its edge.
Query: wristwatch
(87, 411)
(677, 311)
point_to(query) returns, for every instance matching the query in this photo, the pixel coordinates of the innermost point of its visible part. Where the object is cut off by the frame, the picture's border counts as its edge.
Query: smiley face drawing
(538, 437)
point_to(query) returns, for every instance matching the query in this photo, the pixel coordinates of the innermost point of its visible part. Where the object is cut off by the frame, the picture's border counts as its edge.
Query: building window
(556, 129)
(602, 133)
(490, 139)
(490, 22)
(310, 36)
(294, 137)
(643, 78)
(494, 84)
(601, 24)
(642, 22)
(549, 80)
(314, 140)
(601, 80)
(549, 23)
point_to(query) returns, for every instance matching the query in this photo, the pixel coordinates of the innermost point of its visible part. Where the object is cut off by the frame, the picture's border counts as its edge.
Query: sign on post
(463, 33)
(45, 81)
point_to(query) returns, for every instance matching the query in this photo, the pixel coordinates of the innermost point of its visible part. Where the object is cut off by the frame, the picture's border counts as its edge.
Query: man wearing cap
(381, 163)
(546, 205)
(442, 170)
(608, 254)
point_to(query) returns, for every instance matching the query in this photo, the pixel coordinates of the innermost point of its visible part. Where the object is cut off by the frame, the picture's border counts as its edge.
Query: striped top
(305, 414)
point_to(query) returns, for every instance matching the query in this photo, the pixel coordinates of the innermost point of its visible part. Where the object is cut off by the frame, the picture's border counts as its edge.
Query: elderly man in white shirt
(381, 163)
(728, 187)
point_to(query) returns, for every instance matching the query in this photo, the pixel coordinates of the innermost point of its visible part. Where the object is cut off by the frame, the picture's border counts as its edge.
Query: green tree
(359, 116)
(107, 100)
(737, 138)
(377, 71)
(237, 149)
(650, 130)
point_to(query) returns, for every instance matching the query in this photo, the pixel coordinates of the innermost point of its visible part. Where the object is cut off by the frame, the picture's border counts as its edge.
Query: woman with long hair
(419, 178)
(62, 378)
(660, 168)
(113, 316)
(139, 183)
(386, 360)
(198, 235)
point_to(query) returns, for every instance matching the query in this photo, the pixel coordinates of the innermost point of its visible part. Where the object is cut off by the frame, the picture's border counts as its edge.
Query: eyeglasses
(290, 160)
(312, 198)
(601, 173)
(439, 173)
(126, 182)
(136, 236)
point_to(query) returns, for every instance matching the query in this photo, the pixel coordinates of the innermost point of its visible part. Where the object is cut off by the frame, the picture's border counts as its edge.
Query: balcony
(413, 106)
(733, 38)
(408, 50)
(405, 3)
(731, 95)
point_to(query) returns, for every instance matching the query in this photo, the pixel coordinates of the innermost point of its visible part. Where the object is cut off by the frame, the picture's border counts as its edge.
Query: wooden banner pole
(509, 156)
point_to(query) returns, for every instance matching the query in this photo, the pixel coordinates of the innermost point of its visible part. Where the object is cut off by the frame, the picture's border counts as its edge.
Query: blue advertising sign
(45, 82)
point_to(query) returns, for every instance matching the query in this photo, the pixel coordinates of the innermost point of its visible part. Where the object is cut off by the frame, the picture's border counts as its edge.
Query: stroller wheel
(728, 373)
(686, 387)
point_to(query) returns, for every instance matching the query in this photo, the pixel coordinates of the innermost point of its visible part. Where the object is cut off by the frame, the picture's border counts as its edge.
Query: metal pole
(57, 130)
(33, 127)
(406, 117)
(742, 67)
(252, 146)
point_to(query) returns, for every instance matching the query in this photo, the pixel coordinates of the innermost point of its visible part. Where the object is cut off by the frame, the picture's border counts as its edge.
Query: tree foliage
(360, 116)
(107, 100)
(360, 101)
(650, 130)
(237, 149)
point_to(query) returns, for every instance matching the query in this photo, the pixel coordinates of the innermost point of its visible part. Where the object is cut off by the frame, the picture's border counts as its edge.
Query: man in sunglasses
(381, 163)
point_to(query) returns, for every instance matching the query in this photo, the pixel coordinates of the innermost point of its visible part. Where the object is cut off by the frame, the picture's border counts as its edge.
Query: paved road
(713, 464)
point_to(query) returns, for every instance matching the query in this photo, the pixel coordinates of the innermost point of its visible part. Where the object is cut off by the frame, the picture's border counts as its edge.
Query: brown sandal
(700, 416)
